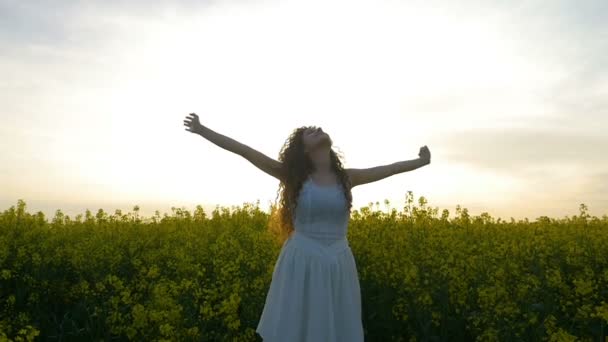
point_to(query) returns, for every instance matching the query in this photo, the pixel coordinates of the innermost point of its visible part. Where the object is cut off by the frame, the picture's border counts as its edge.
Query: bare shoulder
(352, 176)
(349, 172)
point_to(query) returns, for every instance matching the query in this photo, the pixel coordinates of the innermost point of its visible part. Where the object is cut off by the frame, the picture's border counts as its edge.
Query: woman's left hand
(425, 154)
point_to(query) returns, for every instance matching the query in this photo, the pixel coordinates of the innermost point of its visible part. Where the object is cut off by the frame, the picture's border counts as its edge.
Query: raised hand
(193, 123)
(425, 154)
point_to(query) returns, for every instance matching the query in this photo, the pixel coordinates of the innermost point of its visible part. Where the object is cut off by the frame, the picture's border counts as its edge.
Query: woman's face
(314, 137)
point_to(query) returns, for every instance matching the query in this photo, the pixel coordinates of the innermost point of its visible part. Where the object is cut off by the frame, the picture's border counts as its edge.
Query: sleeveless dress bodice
(321, 212)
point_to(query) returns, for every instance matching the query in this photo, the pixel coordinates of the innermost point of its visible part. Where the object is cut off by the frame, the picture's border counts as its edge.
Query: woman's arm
(372, 174)
(260, 160)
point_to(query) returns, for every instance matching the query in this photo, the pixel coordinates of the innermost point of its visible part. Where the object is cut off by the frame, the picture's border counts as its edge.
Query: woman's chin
(326, 142)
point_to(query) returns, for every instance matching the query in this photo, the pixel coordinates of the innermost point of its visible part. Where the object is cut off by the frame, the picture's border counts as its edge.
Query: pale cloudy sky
(510, 97)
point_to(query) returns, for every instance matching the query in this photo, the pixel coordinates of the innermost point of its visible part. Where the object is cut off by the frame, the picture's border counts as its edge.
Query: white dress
(314, 294)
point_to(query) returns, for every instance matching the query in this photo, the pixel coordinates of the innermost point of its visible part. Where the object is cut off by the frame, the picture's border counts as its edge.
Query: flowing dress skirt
(314, 294)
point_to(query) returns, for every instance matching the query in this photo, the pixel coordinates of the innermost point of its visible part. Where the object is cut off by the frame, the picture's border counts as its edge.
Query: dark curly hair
(297, 166)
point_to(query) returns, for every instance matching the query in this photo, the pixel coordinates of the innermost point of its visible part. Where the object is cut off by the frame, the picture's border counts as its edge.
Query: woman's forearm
(222, 141)
(408, 165)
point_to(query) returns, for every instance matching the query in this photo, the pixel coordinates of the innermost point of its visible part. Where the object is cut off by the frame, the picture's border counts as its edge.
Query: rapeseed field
(190, 276)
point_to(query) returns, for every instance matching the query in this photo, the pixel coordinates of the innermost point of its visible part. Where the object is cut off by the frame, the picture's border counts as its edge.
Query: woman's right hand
(193, 123)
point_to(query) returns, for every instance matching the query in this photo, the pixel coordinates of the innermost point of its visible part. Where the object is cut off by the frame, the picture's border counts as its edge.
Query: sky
(511, 99)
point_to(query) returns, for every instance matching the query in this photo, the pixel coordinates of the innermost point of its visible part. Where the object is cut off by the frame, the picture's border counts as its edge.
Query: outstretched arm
(372, 174)
(260, 160)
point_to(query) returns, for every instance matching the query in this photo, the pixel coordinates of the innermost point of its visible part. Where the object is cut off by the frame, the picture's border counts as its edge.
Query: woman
(314, 294)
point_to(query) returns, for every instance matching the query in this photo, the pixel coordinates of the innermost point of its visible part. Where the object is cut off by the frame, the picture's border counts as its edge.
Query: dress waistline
(315, 247)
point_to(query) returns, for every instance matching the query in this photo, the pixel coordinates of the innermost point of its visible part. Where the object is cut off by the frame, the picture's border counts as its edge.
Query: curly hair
(297, 166)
